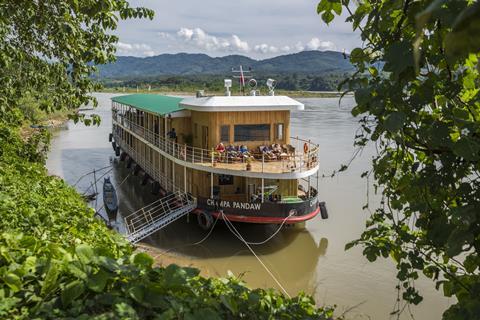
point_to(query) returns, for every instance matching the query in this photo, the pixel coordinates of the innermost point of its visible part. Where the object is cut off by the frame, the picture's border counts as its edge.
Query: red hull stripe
(269, 220)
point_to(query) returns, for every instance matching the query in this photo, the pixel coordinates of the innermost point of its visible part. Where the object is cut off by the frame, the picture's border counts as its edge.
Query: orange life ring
(305, 147)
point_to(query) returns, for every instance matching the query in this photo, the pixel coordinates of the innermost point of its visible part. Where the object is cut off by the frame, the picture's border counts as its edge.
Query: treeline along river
(310, 259)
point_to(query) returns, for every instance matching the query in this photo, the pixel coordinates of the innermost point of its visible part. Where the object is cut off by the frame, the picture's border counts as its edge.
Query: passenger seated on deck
(220, 148)
(172, 134)
(233, 154)
(277, 149)
(243, 149)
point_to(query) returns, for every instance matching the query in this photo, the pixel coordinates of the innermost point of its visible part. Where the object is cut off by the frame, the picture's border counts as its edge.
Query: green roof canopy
(153, 103)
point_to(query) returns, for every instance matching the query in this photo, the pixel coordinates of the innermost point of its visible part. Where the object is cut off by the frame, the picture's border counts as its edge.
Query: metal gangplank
(147, 220)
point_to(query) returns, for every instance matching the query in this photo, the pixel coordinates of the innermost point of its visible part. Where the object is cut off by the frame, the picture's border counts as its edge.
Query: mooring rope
(239, 236)
(273, 235)
(208, 234)
(96, 181)
(86, 174)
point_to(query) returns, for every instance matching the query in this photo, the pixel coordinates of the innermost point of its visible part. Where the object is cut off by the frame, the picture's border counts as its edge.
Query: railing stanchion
(263, 163)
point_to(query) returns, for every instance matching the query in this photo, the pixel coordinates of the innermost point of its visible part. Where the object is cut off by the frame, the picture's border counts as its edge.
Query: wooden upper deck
(255, 143)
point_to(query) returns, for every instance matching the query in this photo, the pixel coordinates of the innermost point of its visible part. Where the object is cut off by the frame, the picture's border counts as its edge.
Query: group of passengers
(233, 153)
(241, 152)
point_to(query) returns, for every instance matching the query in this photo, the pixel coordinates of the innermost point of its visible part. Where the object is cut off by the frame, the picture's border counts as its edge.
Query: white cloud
(317, 44)
(197, 38)
(134, 49)
(149, 53)
(241, 45)
(164, 35)
(299, 46)
(265, 48)
(200, 39)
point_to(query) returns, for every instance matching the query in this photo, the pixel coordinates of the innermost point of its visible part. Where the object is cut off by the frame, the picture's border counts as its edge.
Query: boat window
(225, 134)
(252, 132)
(225, 179)
(195, 130)
(279, 131)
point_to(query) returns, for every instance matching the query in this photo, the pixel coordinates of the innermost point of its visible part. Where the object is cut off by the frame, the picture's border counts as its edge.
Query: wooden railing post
(263, 160)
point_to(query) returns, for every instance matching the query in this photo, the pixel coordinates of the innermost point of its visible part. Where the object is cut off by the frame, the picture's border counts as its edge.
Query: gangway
(147, 220)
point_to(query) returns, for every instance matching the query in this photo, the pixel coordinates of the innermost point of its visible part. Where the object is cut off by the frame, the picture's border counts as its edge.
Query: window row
(251, 132)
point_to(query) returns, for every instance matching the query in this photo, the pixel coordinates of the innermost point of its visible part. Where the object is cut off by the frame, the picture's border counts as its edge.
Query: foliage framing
(49, 49)
(417, 99)
(56, 260)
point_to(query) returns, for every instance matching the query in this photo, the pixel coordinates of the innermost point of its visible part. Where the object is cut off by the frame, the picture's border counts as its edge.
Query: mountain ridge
(182, 64)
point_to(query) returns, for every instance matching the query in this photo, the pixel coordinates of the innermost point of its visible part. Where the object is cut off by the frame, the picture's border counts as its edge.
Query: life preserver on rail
(305, 147)
(204, 220)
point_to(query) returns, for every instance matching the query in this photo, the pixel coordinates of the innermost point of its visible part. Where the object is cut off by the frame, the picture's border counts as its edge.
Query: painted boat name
(234, 204)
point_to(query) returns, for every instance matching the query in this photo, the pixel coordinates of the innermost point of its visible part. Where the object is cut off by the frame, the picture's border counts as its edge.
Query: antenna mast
(242, 77)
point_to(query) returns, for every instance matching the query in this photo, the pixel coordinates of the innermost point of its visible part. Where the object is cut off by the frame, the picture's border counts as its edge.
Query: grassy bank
(57, 261)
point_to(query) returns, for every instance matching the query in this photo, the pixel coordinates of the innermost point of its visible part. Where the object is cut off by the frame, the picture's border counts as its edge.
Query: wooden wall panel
(214, 120)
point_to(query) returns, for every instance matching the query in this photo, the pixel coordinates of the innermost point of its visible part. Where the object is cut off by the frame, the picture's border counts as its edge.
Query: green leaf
(398, 57)
(85, 253)
(206, 313)
(230, 303)
(13, 281)
(72, 291)
(175, 276)
(467, 148)
(50, 281)
(362, 96)
(350, 245)
(465, 36)
(142, 259)
(98, 281)
(327, 17)
(169, 315)
(137, 292)
(395, 121)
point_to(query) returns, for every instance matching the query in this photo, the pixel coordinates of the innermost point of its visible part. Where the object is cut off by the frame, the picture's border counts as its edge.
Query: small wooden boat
(110, 199)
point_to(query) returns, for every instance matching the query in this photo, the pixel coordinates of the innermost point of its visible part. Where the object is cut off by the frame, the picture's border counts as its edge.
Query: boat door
(204, 137)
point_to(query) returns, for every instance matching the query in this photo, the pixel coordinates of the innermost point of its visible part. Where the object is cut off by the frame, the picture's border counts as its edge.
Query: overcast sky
(259, 29)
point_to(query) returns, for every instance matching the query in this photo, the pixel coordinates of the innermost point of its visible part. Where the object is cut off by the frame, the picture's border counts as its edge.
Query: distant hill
(181, 64)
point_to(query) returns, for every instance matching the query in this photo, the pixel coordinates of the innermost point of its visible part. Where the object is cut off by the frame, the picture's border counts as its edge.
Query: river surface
(310, 259)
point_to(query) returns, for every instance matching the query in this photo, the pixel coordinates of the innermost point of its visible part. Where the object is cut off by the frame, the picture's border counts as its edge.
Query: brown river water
(309, 258)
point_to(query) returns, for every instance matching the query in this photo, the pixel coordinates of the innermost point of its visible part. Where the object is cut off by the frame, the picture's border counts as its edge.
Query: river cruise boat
(233, 154)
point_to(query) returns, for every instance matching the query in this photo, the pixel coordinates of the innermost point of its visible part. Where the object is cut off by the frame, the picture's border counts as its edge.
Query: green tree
(421, 110)
(49, 49)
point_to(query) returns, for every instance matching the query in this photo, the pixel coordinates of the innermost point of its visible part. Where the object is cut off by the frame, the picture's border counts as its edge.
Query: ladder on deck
(158, 214)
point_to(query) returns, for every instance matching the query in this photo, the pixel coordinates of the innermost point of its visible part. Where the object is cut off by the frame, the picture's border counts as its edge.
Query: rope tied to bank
(235, 232)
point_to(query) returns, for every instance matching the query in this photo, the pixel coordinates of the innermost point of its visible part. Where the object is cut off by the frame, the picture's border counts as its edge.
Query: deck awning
(153, 103)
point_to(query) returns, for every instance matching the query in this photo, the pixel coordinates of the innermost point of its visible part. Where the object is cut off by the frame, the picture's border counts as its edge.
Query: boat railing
(150, 168)
(158, 214)
(303, 155)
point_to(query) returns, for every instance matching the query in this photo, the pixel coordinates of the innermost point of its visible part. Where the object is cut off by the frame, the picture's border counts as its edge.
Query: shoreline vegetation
(60, 262)
(170, 91)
